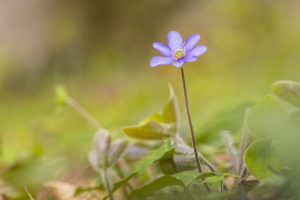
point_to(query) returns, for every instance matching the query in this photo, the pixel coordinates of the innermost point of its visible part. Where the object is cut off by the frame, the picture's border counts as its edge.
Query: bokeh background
(100, 52)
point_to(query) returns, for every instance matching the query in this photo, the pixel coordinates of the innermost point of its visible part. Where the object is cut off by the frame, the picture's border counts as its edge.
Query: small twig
(28, 193)
(243, 144)
(83, 112)
(187, 108)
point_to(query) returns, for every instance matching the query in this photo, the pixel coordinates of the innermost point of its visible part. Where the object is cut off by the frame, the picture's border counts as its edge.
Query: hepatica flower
(177, 52)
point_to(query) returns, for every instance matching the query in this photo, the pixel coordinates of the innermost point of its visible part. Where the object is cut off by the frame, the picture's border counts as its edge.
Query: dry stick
(191, 125)
(84, 113)
(243, 144)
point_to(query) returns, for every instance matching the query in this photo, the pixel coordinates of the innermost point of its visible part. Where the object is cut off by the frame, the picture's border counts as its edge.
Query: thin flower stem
(84, 113)
(191, 125)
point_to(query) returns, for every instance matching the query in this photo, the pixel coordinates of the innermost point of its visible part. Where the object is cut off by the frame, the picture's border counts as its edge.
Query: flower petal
(179, 63)
(190, 58)
(162, 48)
(175, 40)
(159, 60)
(198, 50)
(191, 42)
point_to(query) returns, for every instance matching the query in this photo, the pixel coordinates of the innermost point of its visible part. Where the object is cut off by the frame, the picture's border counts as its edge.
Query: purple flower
(177, 52)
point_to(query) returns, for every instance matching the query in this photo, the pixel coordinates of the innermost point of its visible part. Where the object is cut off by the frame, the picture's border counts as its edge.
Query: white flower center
(179, 53)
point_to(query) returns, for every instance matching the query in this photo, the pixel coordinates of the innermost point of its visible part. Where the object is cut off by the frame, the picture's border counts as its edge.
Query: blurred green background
(100, 52)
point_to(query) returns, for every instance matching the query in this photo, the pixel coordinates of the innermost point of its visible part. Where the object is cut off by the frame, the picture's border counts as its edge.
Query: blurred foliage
(99, 50)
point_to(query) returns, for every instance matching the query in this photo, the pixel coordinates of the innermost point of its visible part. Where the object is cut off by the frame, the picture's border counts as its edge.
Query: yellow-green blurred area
(100, 52)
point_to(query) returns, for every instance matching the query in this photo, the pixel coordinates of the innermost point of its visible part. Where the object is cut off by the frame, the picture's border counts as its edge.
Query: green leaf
(140, 167)
(81, 190)
(213, 179)
(157, 117)
(149, 131)
(167, 166)
(188, 177)
(154, 186)
(288, 91)
(159, 125)
(61, 95)
(182, 179)
(260, 157)
(232, 175)
(266, 118)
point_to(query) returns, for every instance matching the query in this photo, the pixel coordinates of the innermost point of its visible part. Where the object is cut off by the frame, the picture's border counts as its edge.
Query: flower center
(179, 53)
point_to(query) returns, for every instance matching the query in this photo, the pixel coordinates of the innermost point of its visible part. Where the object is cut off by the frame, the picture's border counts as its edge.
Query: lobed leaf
(260, 157)
(288, 91)
(266, 118)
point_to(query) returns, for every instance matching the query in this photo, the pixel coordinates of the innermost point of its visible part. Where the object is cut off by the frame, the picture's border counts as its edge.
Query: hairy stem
(121, 175)
(106, 183)
(243, 145)
(83, 112)
(230, 148)
(187, 108)
(28, 193)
